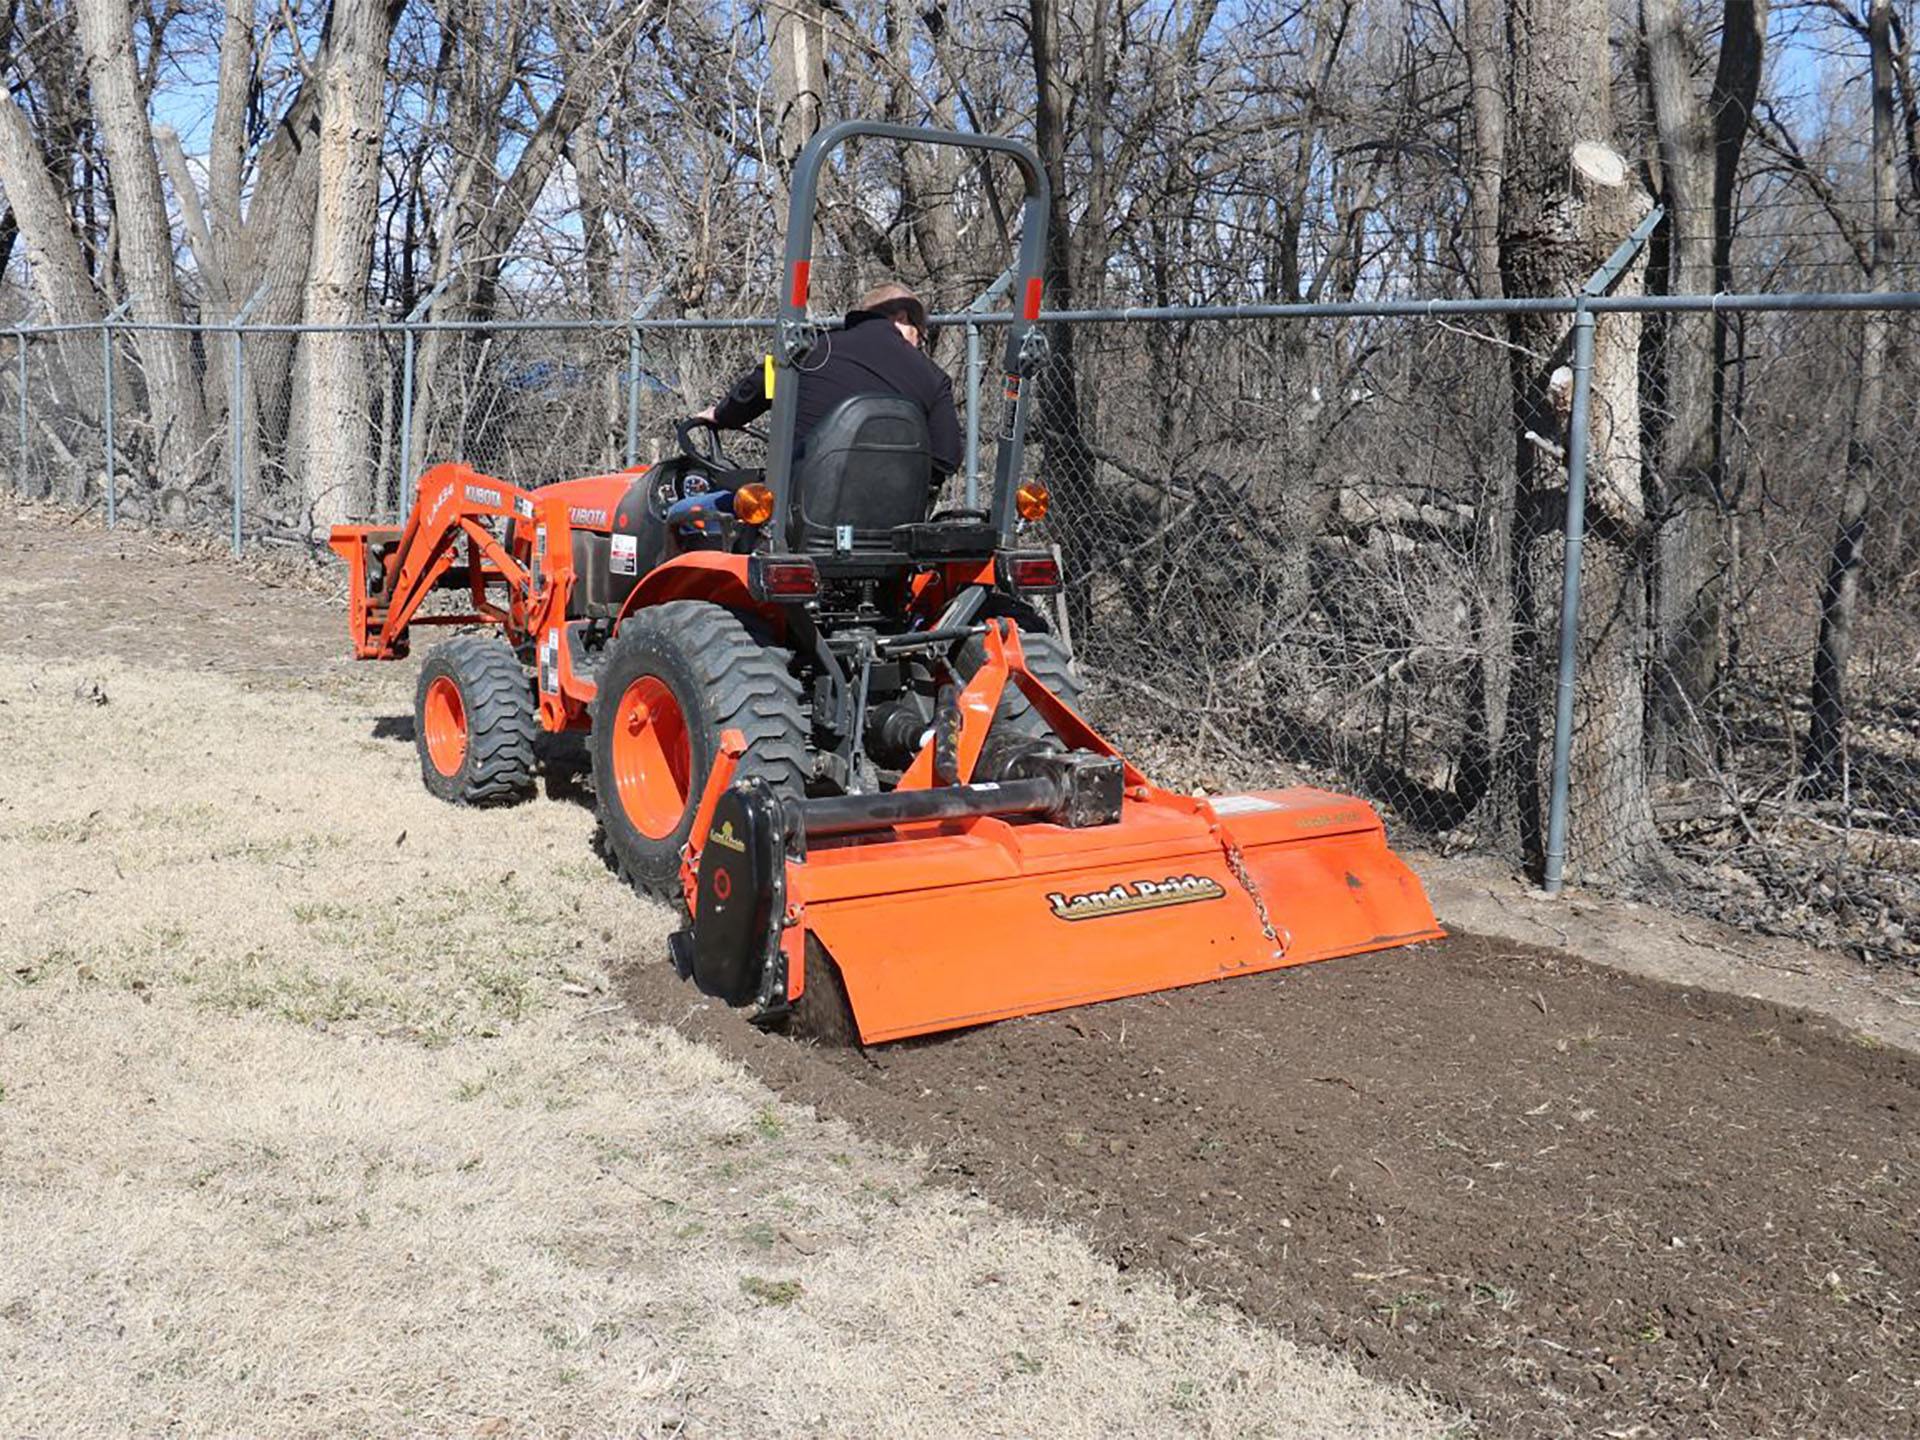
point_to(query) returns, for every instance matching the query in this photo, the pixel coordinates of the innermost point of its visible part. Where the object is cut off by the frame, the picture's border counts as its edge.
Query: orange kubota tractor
(832, 721)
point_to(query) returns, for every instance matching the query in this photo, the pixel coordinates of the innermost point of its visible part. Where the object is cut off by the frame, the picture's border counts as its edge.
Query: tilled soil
(1570, 1200)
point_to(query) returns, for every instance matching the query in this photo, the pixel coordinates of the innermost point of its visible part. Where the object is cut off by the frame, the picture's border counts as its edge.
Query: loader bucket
(1068, 879)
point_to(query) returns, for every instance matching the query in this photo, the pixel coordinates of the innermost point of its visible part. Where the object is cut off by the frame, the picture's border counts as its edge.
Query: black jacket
(869, 357)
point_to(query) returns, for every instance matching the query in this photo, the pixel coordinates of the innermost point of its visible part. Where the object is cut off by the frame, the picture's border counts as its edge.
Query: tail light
(1028, 572)
(782, 577)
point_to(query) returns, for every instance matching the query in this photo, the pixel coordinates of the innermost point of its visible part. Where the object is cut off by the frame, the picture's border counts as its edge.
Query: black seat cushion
(868, 465)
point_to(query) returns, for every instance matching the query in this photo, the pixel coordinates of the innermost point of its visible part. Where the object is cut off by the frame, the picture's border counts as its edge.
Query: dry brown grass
(316, 1118)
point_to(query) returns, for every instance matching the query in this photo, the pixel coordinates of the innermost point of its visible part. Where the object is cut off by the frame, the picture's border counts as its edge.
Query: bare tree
(797, 41)
(1824, 761)
(1699, 143)
(1567, 199)
(333, 365)
(53, 253)
(145, 239)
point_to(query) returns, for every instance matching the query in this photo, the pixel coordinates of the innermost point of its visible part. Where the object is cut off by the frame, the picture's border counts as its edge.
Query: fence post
(1577, 448)
(1578, 420)
(633, 394)
(107, 436)
(403, 496)
(21, 481)
(237, 409)
(973, 415)
(108, 480)
(979, 306)
(641, 312)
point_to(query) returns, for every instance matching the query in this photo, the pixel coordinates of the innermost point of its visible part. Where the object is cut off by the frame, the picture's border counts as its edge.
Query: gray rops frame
(795, 332)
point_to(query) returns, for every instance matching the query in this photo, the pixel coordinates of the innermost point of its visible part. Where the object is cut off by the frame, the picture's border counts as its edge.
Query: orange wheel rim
(652, 757)
(446, 720)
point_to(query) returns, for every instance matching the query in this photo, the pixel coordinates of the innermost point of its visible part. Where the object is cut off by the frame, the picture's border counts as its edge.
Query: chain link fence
(1290, 547)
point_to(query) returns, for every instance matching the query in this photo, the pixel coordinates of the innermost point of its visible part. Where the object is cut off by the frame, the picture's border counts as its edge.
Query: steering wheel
(684, 433)
(676, 481)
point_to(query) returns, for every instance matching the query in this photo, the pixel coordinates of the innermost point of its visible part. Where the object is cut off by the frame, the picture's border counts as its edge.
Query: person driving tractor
(879, 352)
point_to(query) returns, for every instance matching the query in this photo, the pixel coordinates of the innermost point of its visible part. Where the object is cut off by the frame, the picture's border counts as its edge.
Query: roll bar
(794, 335)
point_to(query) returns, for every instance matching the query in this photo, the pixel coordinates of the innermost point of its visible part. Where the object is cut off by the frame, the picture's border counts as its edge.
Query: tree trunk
(610, 346)
(268, 259)
(58, 268)
(1056, 403)
(798, 45)
(1567, 200)
(1684, 490)
(1489, 142)
(227, 144)
(1824, 769)
(146, 243)
(352, 112)
(1484, 774)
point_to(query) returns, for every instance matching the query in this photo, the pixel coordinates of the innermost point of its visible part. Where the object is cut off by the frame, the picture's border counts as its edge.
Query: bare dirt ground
(1570, 1200)
(1480, 894)
(318, 1115)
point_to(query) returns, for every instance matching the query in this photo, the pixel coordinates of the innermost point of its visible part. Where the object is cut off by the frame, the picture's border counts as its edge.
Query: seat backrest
(868, 467)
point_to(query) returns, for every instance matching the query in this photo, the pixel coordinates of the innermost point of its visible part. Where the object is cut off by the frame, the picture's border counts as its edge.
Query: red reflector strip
(801, 270)
(1034, 287)
(792, 577)
(1038, 572)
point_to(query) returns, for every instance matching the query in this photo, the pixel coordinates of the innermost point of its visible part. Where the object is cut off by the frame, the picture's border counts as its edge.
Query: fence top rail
(1434, 309)
(1903, 300)
(394, 327)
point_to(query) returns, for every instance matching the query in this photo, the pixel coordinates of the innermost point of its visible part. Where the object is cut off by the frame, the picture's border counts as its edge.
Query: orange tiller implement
(830, 719)
(953, 901)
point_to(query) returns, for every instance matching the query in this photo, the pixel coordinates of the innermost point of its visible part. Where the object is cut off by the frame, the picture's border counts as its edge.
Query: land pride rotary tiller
(833, 722)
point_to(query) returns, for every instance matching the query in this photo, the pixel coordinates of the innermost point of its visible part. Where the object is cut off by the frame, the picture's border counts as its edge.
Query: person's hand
(705, 417)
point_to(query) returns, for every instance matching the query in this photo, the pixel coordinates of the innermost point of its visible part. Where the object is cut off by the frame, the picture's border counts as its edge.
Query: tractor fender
(711, 575)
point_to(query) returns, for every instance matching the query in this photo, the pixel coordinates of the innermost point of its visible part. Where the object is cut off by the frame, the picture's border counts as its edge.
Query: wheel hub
(652, 757)
(445, 718)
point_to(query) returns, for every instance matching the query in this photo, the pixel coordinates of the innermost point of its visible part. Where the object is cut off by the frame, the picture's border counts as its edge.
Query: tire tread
(749, 689)
(501, 723)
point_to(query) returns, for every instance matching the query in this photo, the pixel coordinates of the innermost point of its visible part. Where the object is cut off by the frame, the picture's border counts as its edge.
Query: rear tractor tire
(675, 678)
(474, 723)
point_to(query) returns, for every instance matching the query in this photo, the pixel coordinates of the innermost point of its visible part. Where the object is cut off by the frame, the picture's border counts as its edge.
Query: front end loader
(830, 721)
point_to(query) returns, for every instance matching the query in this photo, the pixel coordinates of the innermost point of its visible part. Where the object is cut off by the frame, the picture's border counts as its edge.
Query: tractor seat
(867, 468)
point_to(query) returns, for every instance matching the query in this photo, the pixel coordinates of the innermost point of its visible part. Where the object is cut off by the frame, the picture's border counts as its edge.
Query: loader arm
(455, 503)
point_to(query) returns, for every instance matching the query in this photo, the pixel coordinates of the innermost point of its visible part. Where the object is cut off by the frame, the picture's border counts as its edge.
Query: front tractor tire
(675, 678)
(474, 723)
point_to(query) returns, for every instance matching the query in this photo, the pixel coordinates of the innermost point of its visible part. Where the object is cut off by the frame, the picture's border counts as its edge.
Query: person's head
(901, 306)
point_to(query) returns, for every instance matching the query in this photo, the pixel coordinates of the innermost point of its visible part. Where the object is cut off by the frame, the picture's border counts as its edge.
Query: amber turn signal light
(1032, 500)
(753, 504)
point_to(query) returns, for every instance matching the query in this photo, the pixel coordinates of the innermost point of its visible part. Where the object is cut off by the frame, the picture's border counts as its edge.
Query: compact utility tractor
(832, 721)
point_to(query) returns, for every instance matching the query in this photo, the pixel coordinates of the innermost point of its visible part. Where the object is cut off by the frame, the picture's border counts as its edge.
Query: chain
(1280, 938)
